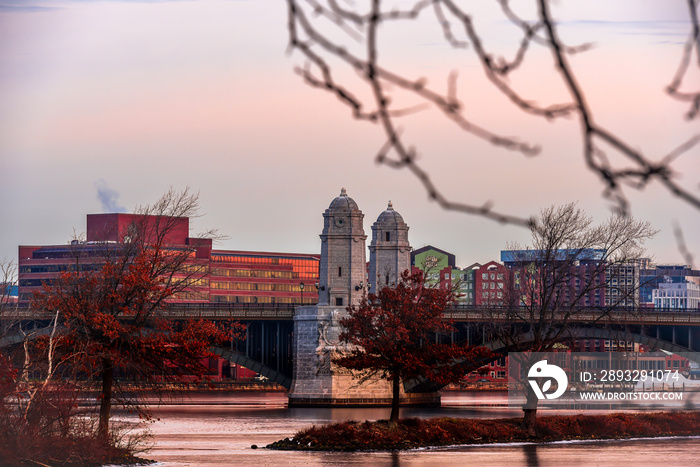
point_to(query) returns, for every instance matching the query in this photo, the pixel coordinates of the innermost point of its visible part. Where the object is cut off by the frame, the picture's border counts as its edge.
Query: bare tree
(573, 268)
(335, 36)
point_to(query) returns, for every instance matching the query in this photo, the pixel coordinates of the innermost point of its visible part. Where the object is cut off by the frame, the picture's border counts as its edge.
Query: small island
(413, 433)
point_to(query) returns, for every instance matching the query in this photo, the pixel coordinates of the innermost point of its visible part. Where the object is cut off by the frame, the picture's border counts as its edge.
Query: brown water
(220, 430)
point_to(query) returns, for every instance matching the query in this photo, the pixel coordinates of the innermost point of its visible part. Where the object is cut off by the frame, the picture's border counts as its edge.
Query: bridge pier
(318, 382)
(673, 334)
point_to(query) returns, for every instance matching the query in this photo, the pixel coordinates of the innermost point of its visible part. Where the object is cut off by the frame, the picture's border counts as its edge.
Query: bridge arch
(501, 348)
(229, 355)
(246, 362)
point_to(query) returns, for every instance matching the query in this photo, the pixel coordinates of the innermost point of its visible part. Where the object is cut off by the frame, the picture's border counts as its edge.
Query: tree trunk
(106, 399)
(394, 418)
(530, 412)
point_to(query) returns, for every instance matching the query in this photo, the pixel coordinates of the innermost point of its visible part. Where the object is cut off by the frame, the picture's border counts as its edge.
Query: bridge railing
(475, 313)
(230, 311)
(189, 311)
(467, 313)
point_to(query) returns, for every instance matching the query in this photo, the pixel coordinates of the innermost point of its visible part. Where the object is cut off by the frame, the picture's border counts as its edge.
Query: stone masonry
(389, 251)
(317, 381)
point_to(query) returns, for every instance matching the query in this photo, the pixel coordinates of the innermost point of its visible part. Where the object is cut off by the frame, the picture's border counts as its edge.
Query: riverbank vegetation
(103, 339)
(415, 433)
(22, 445)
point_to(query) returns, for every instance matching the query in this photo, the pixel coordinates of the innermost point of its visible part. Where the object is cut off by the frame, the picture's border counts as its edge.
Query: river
(219, 430)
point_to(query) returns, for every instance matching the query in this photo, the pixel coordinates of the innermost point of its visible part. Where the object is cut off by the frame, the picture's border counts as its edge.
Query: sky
(106, 104)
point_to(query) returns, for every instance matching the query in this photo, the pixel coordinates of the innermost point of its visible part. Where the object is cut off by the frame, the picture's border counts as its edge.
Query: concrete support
(673, 334)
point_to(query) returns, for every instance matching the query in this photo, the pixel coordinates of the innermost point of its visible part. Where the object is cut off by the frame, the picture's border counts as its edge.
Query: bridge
(268, 348)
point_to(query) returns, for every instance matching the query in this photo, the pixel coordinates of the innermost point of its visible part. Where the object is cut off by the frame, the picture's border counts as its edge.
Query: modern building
(228, 276)
(653, 275)
(677, 296)
(517, 258)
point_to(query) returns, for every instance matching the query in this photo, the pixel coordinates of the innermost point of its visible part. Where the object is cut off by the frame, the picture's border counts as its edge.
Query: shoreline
(413, 433)
(547, 443)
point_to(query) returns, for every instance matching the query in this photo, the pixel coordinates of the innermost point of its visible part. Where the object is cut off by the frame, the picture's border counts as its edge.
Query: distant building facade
(677, 296)
(492, 284)
(651, 276)
(229, 276)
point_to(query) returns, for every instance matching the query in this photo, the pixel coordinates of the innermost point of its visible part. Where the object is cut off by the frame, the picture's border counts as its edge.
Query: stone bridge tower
(317, 381)
(389, 251)
(342, 268)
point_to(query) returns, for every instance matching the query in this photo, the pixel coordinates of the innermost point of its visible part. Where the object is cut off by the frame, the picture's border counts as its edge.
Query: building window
(340, 271)
(338, 301)
(387, 235)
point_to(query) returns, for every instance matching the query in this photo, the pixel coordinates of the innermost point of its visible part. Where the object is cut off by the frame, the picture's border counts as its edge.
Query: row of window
(224, 272)
(267, 286)
(35, 282)
(676, 303)
(676, 293)
(198, 282)
(191, 295)
(191, 282)
(48, 268)
(258, 299)
(492, 276)
(621, 281)
(636, 364)
(305, 268)
(492, 294)
(201, 269)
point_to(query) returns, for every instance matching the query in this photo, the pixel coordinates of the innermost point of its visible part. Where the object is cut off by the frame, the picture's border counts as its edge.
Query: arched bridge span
(268, 347)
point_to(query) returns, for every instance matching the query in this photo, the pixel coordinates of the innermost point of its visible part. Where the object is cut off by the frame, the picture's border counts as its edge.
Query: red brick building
(492, 283)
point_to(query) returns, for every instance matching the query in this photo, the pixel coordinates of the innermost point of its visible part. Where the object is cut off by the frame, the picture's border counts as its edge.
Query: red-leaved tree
(109, 307)
(396, 335)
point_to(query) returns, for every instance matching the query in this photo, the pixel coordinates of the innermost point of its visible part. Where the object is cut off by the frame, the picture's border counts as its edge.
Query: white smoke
(108, 197)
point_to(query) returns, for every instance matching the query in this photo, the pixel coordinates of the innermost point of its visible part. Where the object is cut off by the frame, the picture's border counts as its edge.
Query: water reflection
(530, 452)
(219, 431)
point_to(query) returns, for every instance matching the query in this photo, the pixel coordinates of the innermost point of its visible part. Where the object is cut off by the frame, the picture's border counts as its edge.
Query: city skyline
(123, 99)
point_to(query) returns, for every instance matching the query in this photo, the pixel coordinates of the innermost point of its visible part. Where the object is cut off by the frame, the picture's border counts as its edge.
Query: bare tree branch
(693, 42)
(325, 52)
